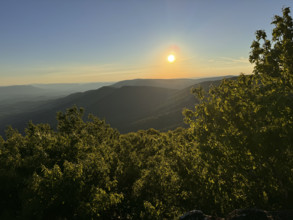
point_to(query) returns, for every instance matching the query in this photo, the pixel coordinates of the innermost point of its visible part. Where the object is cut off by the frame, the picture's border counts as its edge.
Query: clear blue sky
(57, 41)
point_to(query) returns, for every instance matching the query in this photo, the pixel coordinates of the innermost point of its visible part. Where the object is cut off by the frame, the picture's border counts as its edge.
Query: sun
(171, 58)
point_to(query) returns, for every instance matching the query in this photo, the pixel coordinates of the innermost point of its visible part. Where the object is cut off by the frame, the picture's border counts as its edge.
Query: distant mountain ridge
(21, 91)
(162, 83)
(68, 88)
(166, 83)
(24, 98)
(127, 106)
(45, 91)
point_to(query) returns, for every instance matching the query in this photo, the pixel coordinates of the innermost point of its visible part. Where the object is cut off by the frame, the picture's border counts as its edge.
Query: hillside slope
(118, 106)
(169, 115)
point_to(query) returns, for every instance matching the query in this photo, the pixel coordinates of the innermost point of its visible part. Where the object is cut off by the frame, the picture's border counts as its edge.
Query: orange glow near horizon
(169, 62)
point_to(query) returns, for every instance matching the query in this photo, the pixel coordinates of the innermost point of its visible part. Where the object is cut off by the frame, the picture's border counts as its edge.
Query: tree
(65, 174)
(274, 57)
(244, 128)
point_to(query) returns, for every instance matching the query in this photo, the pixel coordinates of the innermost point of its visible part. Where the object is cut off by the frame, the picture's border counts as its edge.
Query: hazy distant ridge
(128, 105)
(166, 83)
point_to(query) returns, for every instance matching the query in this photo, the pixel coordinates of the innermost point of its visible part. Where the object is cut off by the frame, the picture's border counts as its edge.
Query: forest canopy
(236, 153)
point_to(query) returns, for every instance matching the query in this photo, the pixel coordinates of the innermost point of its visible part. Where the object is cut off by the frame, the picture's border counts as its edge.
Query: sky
(78, 41)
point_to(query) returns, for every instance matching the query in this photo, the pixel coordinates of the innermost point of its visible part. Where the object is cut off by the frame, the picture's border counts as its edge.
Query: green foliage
(237, 153)
(244, 128)
(274, 57)
(64, 174)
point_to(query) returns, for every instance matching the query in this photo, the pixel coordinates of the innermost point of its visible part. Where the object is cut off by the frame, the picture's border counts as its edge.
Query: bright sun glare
(171, 58)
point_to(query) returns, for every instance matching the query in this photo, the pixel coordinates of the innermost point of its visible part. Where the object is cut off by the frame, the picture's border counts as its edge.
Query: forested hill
(127, 108)
(168, 115)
